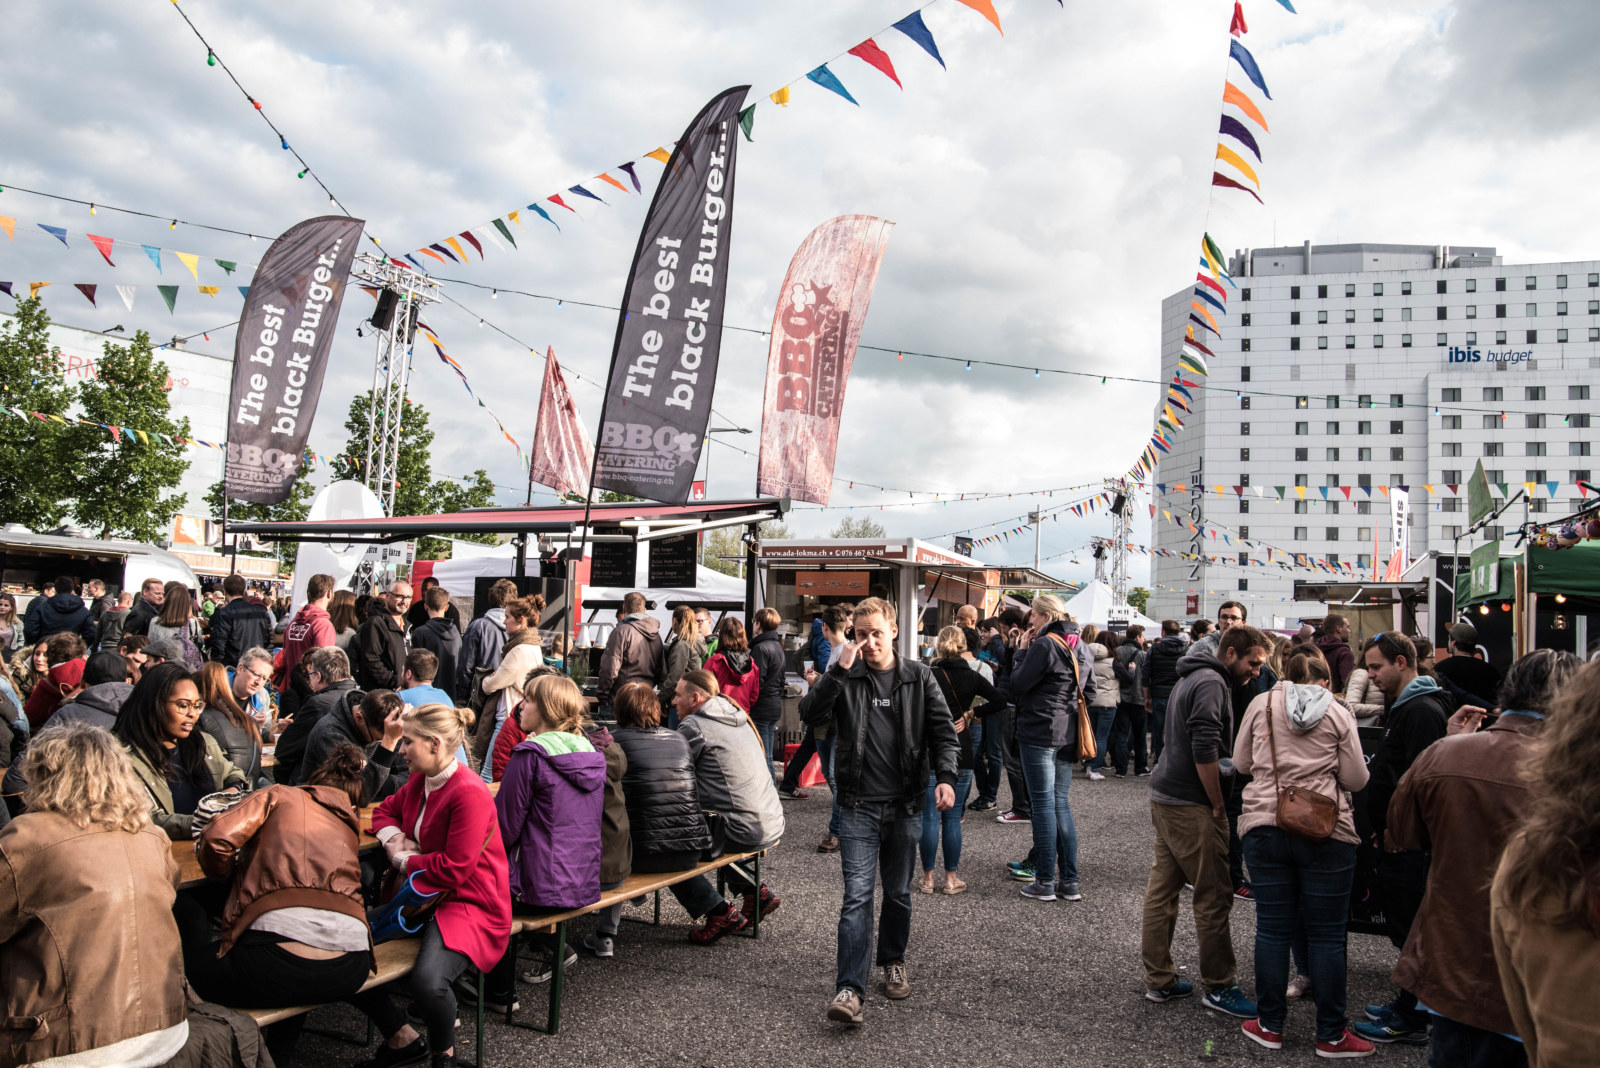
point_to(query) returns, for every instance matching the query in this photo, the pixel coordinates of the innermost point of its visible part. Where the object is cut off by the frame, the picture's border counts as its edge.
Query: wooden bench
(634, 886)
(394, 960)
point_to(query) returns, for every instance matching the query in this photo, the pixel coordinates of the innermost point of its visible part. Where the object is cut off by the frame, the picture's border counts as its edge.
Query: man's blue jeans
(1055, 835)
(769, 736)
(825, 758)
(990, 755)
(876, 838)
(949, 823)
(1158, 728)
(1300, 884)
(1102, 719)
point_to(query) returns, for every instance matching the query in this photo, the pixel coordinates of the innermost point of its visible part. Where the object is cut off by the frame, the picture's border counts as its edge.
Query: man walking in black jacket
(891, 726)
(238, 625)
(380, 642)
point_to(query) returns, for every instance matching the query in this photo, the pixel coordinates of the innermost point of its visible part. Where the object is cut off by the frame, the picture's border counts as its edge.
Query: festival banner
(561, 451)
(821, 309)
(281, 352)
(669, 334)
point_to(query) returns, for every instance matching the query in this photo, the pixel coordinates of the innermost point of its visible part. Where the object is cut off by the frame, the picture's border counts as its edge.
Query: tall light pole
(718, 430)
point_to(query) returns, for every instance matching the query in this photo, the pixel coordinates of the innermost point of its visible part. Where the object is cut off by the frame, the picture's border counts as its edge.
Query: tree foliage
(38, 464)
(723, 549)
(857, 527)
(292, 508)
(1139, 600)
(123, 484)
(416, 492)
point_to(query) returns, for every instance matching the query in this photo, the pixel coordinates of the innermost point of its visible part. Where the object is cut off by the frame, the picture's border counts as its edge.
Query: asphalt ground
(996, 979)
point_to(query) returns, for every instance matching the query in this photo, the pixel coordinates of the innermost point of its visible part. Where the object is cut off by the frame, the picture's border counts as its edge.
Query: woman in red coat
(441, 828)
(736, 673)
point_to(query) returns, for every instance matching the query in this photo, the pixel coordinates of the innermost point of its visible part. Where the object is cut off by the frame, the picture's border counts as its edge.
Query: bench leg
(755, 921)
(558, 979)
(657, 921)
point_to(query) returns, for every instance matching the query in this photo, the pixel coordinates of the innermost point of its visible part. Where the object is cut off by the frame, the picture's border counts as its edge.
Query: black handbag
(717, 824)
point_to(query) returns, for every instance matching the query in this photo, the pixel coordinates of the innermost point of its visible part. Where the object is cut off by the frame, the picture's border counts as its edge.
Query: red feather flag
(869, 52)
(1238, 28)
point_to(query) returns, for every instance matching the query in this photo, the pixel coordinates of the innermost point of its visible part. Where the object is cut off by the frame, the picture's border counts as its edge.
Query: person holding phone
(892, 728)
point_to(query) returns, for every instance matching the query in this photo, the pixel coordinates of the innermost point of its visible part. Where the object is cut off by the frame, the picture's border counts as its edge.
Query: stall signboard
(672, 562)
(831, 550)
(1485, 578)
(832, 583)
(614, 563)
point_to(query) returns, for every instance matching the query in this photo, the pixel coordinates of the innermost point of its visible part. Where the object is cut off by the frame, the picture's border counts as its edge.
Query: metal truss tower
(402, 294)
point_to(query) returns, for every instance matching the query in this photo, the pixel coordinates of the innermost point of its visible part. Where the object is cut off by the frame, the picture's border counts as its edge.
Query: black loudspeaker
(1116, 505)
(383, 314)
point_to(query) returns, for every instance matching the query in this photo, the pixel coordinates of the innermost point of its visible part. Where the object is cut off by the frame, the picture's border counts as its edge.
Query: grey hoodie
(732, 775)
(1199, 730)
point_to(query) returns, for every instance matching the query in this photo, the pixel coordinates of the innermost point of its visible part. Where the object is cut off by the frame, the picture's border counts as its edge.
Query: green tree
(1139, 600)
(416, 492)
(723, 549)
(292, 508)
(122, 485)
(39, 464)
(857, 527)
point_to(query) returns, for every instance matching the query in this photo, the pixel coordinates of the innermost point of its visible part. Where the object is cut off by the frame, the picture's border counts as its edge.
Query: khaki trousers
(1191, 847)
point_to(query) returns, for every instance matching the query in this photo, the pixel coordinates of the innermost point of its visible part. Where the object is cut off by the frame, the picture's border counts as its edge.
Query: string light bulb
(332, 203)
(173, 225)
(494, 294)
(899, 356)
(92, 211)
(211, 58)
(1036, 372)
(302, 174)
(284, 141)
(969, 365)
(256, 102)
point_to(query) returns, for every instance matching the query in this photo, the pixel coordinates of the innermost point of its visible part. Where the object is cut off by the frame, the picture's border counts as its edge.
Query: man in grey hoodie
(634, 652)
(1188, 809)
(732, 776)
(485, 641)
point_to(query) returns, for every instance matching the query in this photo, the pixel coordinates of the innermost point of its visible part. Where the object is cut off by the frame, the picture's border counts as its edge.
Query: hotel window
(1472, 337)
(1405, 289)
(1244, 318)
(1333, 429)
(1244, 374)
(1441, 286)
(1397, 426)
(1450, 422)
(1244, 294)
(1364, 400)
(1302, 508)
(1580, 475)
(1377, 315)
(1244, 456)
(1244, 584)
(1349, 289)
(1500, 285)
(1349, 315)
(1294, 292)
(1533, 337)
(1331, 481)
(1364, 453)
(1364, 427)
(1405, 315)
(1451, 394)
(1499, 311)
(1533, 421)
(1499, 337)
(1322, 291)
(1377, 289)
(1450, 504)
(1451, 476)
(1530, 282)
(1333, 558)
(1331, 533)
(1350, 341)
(1244, 430)
(1294, 318)
(1365, 481)
(1397, 454)
(1322, 342)
(1363, 508)
(1594, 280)
(1530, 310)
(1244, 504)
(1494, 476)
(1594, 333)
(1405, 341)
(1322, 316)
(1302, 429)
(1302, 480)
(1438, 339)
(1244, 402)
(1332, 401)
(1577, 448)
(1577, 393)
(1363, 561)
(1332, 456)
(1244, 344)
(1472, 311)
(1533, 448)
(1300, 532)
(1578, 421)
(1441, 312)
(1494, 448)
(1450, 448)
(1244, 532)
(1300, 455)
(1594, 307)
(1561, 335)
(1561, 307)
(1450, 533)
(1244, 558)
(1494, 393)
(1536, 474)
(1377, 341)
(1472, 285)
(1397, 400)
(1244, 480)
(1491, 422)
(1537, 505)
(1363, 534)
(1561, 281)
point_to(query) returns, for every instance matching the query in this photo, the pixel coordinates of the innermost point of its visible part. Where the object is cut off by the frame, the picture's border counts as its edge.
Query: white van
(29, 562)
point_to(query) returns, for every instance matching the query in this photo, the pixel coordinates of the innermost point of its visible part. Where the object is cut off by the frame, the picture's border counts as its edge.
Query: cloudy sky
(1049, 188)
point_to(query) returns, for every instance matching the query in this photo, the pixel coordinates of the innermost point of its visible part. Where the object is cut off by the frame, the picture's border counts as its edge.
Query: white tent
(1092, 604)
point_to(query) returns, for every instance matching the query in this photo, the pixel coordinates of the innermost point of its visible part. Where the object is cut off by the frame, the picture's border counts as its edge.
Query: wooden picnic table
(189, 865)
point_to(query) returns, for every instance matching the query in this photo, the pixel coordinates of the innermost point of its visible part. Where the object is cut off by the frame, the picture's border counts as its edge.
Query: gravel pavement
(996, 979)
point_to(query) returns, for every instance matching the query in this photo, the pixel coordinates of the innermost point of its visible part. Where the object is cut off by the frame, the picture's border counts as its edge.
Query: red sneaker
(716, 926)
(1256, 1033)
(1348, 1046)
(769, 903)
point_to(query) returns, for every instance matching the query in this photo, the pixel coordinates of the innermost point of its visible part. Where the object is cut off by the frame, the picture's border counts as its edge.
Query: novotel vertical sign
(1459, 354)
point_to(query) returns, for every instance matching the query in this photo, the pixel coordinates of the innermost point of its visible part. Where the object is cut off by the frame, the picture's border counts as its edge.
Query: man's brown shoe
(845, 1007)
(829, 844)
(896, 984)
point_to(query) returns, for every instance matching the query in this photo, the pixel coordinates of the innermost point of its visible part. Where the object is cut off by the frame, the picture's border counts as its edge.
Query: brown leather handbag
(1306, 813)
(1086, 747)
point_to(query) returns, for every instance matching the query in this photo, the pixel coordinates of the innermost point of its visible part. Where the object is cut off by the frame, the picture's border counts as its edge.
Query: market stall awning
(561, 519)
(1574, 572)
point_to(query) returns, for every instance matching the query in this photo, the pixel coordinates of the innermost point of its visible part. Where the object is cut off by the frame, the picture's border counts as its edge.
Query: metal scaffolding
(402, 293)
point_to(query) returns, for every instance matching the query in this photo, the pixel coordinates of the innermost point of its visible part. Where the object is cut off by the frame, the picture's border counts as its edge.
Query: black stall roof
(665, 519)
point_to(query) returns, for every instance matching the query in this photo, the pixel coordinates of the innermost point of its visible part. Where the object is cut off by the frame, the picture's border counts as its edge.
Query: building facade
(1345, 372)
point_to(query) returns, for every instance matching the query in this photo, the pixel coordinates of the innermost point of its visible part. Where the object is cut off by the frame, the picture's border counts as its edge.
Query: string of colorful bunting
(90, 291)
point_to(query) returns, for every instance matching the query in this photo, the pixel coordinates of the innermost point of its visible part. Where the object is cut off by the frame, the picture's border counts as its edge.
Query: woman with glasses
(225, 721)
(176, 761)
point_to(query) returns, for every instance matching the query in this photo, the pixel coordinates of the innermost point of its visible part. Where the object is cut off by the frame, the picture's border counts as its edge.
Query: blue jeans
(1300, 883)
(876, 838)
(1158, 728)
(769, 736)
(1101, 719)
(990, 756)
(1460, 1045)
(933, 821)
(825, 758)
(1055, 835)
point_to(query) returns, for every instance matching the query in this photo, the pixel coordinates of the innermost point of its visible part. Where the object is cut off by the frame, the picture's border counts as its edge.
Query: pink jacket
(462, 855)
(1330, 749)
(309, 629)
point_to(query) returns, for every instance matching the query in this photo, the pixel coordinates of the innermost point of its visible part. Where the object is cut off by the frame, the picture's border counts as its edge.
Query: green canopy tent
(1574, 572)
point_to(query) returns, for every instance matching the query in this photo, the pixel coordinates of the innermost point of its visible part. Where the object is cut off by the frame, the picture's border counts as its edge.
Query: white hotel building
(1352, 366)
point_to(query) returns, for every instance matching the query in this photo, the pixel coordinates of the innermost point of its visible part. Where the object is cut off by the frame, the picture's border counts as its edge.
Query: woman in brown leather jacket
(294, 931)
(89, 956)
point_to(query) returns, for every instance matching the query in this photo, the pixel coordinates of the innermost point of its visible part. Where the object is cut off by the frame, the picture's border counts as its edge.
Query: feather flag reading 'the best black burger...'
(664, 362)
(281, 352)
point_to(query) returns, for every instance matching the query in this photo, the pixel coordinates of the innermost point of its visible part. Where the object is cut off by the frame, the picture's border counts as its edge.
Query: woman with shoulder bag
(1301, 749)
(961, 684)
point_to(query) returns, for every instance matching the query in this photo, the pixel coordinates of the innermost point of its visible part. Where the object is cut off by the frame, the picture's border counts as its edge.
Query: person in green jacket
(177, 762)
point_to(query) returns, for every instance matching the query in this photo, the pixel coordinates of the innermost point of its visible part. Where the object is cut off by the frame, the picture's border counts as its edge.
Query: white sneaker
(1095, 776)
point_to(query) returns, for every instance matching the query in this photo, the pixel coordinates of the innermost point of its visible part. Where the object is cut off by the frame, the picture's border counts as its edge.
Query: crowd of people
(1278, 769)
